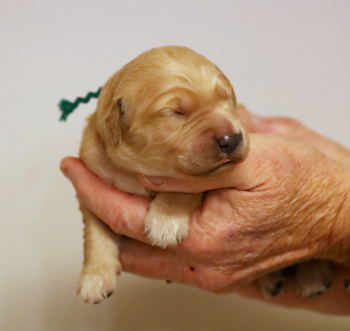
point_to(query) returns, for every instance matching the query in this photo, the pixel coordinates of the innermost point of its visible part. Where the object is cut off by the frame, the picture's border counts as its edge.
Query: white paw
(313, 278)
(96, 285)
(313, 288)
(166, 230)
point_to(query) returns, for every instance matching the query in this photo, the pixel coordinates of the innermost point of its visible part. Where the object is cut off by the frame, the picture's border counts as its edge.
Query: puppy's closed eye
(173, 112)
(179, 113)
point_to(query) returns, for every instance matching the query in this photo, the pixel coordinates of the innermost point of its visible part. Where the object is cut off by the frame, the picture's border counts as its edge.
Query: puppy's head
(171, 112)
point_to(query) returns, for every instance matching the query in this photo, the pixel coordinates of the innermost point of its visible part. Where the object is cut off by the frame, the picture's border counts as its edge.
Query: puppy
(169, 112)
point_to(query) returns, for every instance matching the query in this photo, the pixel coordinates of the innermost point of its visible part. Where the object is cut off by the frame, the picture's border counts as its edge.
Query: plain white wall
(282, 57)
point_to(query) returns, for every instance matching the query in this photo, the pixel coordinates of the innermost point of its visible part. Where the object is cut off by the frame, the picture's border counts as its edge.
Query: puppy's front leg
(98, 279)
(168, 218)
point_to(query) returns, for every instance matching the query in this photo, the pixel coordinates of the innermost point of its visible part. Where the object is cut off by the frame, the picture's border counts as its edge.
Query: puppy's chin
(216, 170)
(209, 170)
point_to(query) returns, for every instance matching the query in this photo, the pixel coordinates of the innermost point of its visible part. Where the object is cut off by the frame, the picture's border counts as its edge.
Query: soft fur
(162, 114)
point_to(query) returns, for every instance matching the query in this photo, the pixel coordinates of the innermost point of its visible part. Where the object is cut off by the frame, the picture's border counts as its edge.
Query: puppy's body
(93, 153)
(169, 112)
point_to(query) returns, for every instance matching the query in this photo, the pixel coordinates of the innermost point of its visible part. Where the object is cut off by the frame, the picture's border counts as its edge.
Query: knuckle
(289, 122)
(114, 217)
(286, 125)
(208, 284)
(218, 284)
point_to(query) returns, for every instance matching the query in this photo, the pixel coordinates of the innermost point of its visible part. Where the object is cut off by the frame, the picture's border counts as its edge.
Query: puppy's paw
(313, 278)
(168, 218)
(94, 284)
(272, 284)
(313, 290)
(165, 230)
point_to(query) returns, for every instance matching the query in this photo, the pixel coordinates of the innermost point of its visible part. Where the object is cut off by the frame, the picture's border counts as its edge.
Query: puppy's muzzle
(229, 143)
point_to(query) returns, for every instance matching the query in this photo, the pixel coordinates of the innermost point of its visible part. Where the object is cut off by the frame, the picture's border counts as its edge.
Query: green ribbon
(67, 107)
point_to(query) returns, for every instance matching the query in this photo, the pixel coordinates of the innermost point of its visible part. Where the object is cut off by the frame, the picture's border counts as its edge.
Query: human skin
(286, 203)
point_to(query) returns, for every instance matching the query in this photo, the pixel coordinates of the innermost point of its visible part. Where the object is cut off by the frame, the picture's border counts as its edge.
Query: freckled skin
(280, 216)
(284, 226)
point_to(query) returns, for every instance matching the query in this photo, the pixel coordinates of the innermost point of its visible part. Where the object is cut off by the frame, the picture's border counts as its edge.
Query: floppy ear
(111, 125)
(234, 97)
(108, 114)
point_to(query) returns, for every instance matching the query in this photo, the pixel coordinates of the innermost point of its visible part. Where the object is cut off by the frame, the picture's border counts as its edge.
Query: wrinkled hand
(286, 203)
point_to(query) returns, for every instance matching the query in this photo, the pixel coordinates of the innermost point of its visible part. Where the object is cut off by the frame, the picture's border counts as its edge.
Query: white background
(283, 57)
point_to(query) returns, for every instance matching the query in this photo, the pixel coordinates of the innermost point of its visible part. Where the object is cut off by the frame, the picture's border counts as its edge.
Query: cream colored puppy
(169, 112)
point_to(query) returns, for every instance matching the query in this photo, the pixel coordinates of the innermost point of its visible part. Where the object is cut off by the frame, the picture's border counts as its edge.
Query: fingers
(293, 129)
(174, 264)
(154, 262)
(149, 261)
(158, 263)
(335, 301)
(123, 212)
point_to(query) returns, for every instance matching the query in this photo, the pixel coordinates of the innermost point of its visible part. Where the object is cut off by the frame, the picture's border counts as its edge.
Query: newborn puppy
(169, 112)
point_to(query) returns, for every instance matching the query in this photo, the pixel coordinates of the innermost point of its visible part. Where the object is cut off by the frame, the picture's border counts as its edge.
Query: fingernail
(153, 180)
(65, 170)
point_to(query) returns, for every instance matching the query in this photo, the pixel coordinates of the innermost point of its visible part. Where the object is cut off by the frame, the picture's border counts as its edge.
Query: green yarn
(67, 107)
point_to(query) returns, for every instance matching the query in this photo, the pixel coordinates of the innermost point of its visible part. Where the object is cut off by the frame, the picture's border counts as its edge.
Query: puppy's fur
(166, 113)
(169, 112)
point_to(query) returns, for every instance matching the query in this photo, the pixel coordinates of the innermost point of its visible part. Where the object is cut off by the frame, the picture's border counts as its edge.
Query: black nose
(229, 144)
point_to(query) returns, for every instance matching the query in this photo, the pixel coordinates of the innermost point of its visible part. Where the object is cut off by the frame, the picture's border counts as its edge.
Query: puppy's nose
(229, 144)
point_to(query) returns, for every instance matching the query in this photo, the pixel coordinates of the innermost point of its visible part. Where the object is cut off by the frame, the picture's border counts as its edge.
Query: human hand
(245, 240)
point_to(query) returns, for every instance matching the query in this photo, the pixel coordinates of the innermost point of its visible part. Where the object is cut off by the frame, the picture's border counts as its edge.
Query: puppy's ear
(108, 117)
(108, 112)
(111, 123)
(233, 96)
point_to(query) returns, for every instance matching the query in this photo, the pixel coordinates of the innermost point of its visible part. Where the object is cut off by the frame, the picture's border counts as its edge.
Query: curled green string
(67, 107)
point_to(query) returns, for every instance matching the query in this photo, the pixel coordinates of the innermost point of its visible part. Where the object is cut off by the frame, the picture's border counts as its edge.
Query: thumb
(293, 129)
